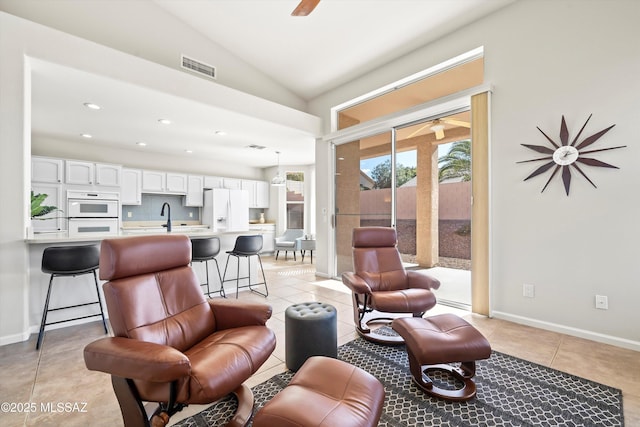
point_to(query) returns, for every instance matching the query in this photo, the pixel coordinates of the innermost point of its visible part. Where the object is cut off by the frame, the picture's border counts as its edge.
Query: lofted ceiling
(339, 41)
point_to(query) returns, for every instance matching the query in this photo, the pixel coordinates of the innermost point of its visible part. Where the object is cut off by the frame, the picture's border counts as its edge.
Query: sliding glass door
(363, 191)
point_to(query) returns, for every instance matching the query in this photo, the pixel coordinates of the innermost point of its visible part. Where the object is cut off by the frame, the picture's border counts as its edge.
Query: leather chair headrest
(374, 237)
(133, 256)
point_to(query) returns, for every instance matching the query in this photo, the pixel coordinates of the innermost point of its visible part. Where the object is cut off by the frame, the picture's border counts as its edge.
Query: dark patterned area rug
(511, 392)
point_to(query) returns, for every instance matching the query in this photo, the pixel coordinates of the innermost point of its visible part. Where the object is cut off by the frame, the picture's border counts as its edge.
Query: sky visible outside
(406, 158)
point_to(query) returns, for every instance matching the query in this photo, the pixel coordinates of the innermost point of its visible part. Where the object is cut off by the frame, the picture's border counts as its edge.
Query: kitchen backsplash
(151, 207)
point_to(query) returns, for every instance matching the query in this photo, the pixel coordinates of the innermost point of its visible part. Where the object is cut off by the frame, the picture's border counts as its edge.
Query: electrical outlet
(129, 214)
(602, 302)
(528, 291)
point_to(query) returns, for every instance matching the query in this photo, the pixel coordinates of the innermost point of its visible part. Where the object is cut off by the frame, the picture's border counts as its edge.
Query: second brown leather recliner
(380, 283)
(171, 345)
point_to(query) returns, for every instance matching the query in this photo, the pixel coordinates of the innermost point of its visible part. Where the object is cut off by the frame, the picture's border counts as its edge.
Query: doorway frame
(477, 99)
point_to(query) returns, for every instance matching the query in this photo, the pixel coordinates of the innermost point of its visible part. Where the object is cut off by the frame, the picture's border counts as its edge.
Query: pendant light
(278, 181)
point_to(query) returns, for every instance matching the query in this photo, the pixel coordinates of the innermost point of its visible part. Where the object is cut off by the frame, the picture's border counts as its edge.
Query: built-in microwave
(92, 205)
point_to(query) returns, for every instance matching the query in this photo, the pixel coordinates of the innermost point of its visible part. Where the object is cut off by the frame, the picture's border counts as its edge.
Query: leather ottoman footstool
(435, 341)
(325, 392)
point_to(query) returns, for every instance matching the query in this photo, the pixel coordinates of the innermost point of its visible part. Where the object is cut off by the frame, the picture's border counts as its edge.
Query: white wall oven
(93, 212)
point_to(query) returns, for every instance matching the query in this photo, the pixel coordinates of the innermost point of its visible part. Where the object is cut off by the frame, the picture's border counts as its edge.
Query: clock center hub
(565, 155)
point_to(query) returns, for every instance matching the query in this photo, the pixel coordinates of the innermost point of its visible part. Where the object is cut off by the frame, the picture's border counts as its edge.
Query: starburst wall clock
(566, 156)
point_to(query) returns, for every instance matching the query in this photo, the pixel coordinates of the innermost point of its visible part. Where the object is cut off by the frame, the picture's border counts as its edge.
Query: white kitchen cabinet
(45, 169)
(55, 220)
(258, 193)
(88, 173)
(232, 183)
(77, 172)
(213, 182)
(268, 233)
(262, 194)
(131, 190)
(176, 183)
(108, 175)
(164, 182)
(250, 187)
(153, 181)
(195, 189)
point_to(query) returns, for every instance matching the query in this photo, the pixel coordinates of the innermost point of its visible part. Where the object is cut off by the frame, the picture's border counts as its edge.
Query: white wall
(546, 59)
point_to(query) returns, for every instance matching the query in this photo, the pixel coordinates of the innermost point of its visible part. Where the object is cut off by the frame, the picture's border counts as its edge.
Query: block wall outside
(454, 224)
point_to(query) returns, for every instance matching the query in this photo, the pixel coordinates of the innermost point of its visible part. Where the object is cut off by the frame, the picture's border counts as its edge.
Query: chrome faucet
(168, 224)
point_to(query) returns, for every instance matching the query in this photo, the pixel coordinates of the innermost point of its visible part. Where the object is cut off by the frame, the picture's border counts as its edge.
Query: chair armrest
(355, 283)
(139, 360)
(418, 279)
(234, 314)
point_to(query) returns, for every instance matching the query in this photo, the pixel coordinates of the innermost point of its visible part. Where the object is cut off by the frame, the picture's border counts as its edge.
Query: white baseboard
(568, 330)
(12, 339)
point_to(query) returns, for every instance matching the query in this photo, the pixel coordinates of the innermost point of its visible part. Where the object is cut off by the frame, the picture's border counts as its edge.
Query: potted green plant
(37, 209)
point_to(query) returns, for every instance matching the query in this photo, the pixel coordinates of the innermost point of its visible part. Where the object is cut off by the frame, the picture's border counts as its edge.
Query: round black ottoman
(310, 330)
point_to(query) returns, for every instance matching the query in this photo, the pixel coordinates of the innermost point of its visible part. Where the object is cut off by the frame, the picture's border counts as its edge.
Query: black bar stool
(204, 250)
(246, 247)
(70, 261)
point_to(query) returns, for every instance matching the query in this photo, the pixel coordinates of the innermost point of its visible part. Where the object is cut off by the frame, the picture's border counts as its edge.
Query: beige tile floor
(39, 381)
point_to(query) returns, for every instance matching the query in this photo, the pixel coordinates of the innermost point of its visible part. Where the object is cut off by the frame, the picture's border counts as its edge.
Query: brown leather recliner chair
(380, 283)
(171, 345)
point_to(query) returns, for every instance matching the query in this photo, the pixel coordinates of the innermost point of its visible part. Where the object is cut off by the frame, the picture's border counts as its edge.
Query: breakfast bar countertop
(63, 236)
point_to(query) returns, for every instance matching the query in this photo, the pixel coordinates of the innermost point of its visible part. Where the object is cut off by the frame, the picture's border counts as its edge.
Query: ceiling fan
(305, 7)
(437, 126)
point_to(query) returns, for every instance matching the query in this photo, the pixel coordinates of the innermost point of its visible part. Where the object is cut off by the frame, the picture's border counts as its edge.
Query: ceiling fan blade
(457, 123)
(440, 134)
(419, 130)
(305, 7)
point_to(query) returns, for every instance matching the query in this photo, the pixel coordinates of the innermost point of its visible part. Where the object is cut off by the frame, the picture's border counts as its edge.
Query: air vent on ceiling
(198, 67)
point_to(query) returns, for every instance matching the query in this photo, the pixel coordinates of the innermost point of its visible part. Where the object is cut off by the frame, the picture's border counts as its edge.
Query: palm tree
(457, 162)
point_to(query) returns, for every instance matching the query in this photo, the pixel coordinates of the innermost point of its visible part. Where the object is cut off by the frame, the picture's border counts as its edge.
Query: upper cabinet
(154, 181)
(131, 191)
(195, 191)
(87, 173)
(262, 194)
(164, 182)
(213, 182)
(232, 183)
(44, 169)
(108, 174)
(258, 193)
(176, 183)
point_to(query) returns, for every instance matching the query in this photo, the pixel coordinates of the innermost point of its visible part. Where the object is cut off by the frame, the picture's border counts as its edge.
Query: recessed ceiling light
(220, 133)
(188, 151)
(165, 121)
(141, 144)
(92, 106)
(86, 135)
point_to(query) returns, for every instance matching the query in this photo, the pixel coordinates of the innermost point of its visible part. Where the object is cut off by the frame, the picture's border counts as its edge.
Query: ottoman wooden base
(325, 392)
(434, 342)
